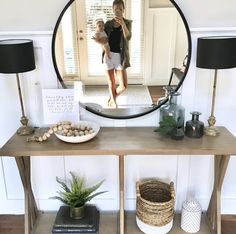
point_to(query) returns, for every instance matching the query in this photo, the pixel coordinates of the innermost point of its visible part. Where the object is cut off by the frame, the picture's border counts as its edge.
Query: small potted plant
(171, 127)
(76, 195)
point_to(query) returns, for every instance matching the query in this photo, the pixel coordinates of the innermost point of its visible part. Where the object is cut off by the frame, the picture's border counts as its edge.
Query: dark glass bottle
(194, 128)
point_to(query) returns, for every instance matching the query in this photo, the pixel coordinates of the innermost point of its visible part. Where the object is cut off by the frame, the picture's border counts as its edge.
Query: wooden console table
(121, 142)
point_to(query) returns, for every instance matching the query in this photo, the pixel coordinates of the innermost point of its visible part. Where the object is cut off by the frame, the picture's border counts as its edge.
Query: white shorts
(113, 62)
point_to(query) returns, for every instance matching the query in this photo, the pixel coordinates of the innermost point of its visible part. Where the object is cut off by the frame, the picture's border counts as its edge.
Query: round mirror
(159, 51)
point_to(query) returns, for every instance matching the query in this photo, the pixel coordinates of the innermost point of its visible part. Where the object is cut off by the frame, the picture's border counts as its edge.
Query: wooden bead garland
(65, 128)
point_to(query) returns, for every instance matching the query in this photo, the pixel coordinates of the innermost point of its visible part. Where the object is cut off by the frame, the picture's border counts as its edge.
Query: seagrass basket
(155, 202)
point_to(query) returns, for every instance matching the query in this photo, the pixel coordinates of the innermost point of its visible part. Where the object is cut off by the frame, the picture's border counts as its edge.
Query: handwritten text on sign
(59, 104)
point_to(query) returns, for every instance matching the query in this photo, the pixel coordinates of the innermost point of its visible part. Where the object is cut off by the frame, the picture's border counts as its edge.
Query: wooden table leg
(121, 179)
(31, 211)
(214, 209)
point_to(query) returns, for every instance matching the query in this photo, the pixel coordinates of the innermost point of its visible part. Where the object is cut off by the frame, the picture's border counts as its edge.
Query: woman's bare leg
(123, 83)
(111, 87)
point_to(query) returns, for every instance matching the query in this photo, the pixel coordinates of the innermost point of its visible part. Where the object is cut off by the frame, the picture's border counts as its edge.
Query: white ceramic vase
(191, 216)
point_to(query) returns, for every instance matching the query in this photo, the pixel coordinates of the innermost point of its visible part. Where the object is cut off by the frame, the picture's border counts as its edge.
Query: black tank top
(114, 40)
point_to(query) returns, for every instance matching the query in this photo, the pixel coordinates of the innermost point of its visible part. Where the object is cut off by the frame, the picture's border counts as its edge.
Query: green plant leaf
(77, 194)
(60, 199)
(166, 125)
(74, 183)
(63, 184)
(90, 190)
(168, 121)
(165, 130)
(94, 195)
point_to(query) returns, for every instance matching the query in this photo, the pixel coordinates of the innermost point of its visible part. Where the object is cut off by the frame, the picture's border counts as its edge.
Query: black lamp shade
(16, 56)
(216, 52)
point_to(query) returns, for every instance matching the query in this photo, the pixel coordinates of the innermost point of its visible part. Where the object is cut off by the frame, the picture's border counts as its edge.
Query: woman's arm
(125, 28)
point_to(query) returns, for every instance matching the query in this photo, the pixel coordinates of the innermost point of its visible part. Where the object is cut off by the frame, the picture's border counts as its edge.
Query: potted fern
(76, 195)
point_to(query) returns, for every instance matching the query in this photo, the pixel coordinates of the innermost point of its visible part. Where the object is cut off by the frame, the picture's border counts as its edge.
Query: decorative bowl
(80, 139)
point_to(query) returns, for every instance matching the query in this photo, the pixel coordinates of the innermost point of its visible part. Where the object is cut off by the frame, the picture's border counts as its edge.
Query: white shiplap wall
(184, 171)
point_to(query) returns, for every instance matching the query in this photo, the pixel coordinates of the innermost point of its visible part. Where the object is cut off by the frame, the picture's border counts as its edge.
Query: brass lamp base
(211, 131)
(24, 130)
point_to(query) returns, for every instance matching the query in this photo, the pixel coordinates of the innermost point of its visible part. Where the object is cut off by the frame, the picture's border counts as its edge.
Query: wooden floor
(13, 224)
(156, 92)
(228, 224)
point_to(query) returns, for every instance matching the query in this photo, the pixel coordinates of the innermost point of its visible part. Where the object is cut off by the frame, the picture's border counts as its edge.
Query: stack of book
(64, 224)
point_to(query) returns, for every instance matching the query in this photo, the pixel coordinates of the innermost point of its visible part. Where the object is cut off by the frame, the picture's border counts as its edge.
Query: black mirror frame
(129, 116)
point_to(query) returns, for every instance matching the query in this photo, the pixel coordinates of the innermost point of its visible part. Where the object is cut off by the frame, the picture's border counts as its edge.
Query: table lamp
(215, 53)
(17, 56)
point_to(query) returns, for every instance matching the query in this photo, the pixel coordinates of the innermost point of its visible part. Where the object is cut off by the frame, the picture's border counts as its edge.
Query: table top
(123, 141)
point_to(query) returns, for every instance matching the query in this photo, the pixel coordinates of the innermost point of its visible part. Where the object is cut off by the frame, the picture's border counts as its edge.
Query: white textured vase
(191, 216)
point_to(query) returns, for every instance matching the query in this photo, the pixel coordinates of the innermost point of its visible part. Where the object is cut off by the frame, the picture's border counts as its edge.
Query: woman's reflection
(119, 33)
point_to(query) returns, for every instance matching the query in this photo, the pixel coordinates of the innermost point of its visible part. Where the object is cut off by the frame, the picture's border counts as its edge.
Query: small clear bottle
(194, 128)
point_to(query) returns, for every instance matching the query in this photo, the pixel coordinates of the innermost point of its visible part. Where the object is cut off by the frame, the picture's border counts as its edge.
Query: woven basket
(155, 202)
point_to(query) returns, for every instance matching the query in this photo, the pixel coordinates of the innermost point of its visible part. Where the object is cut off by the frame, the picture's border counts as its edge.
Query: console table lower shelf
(121, 142)
(109, 224)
